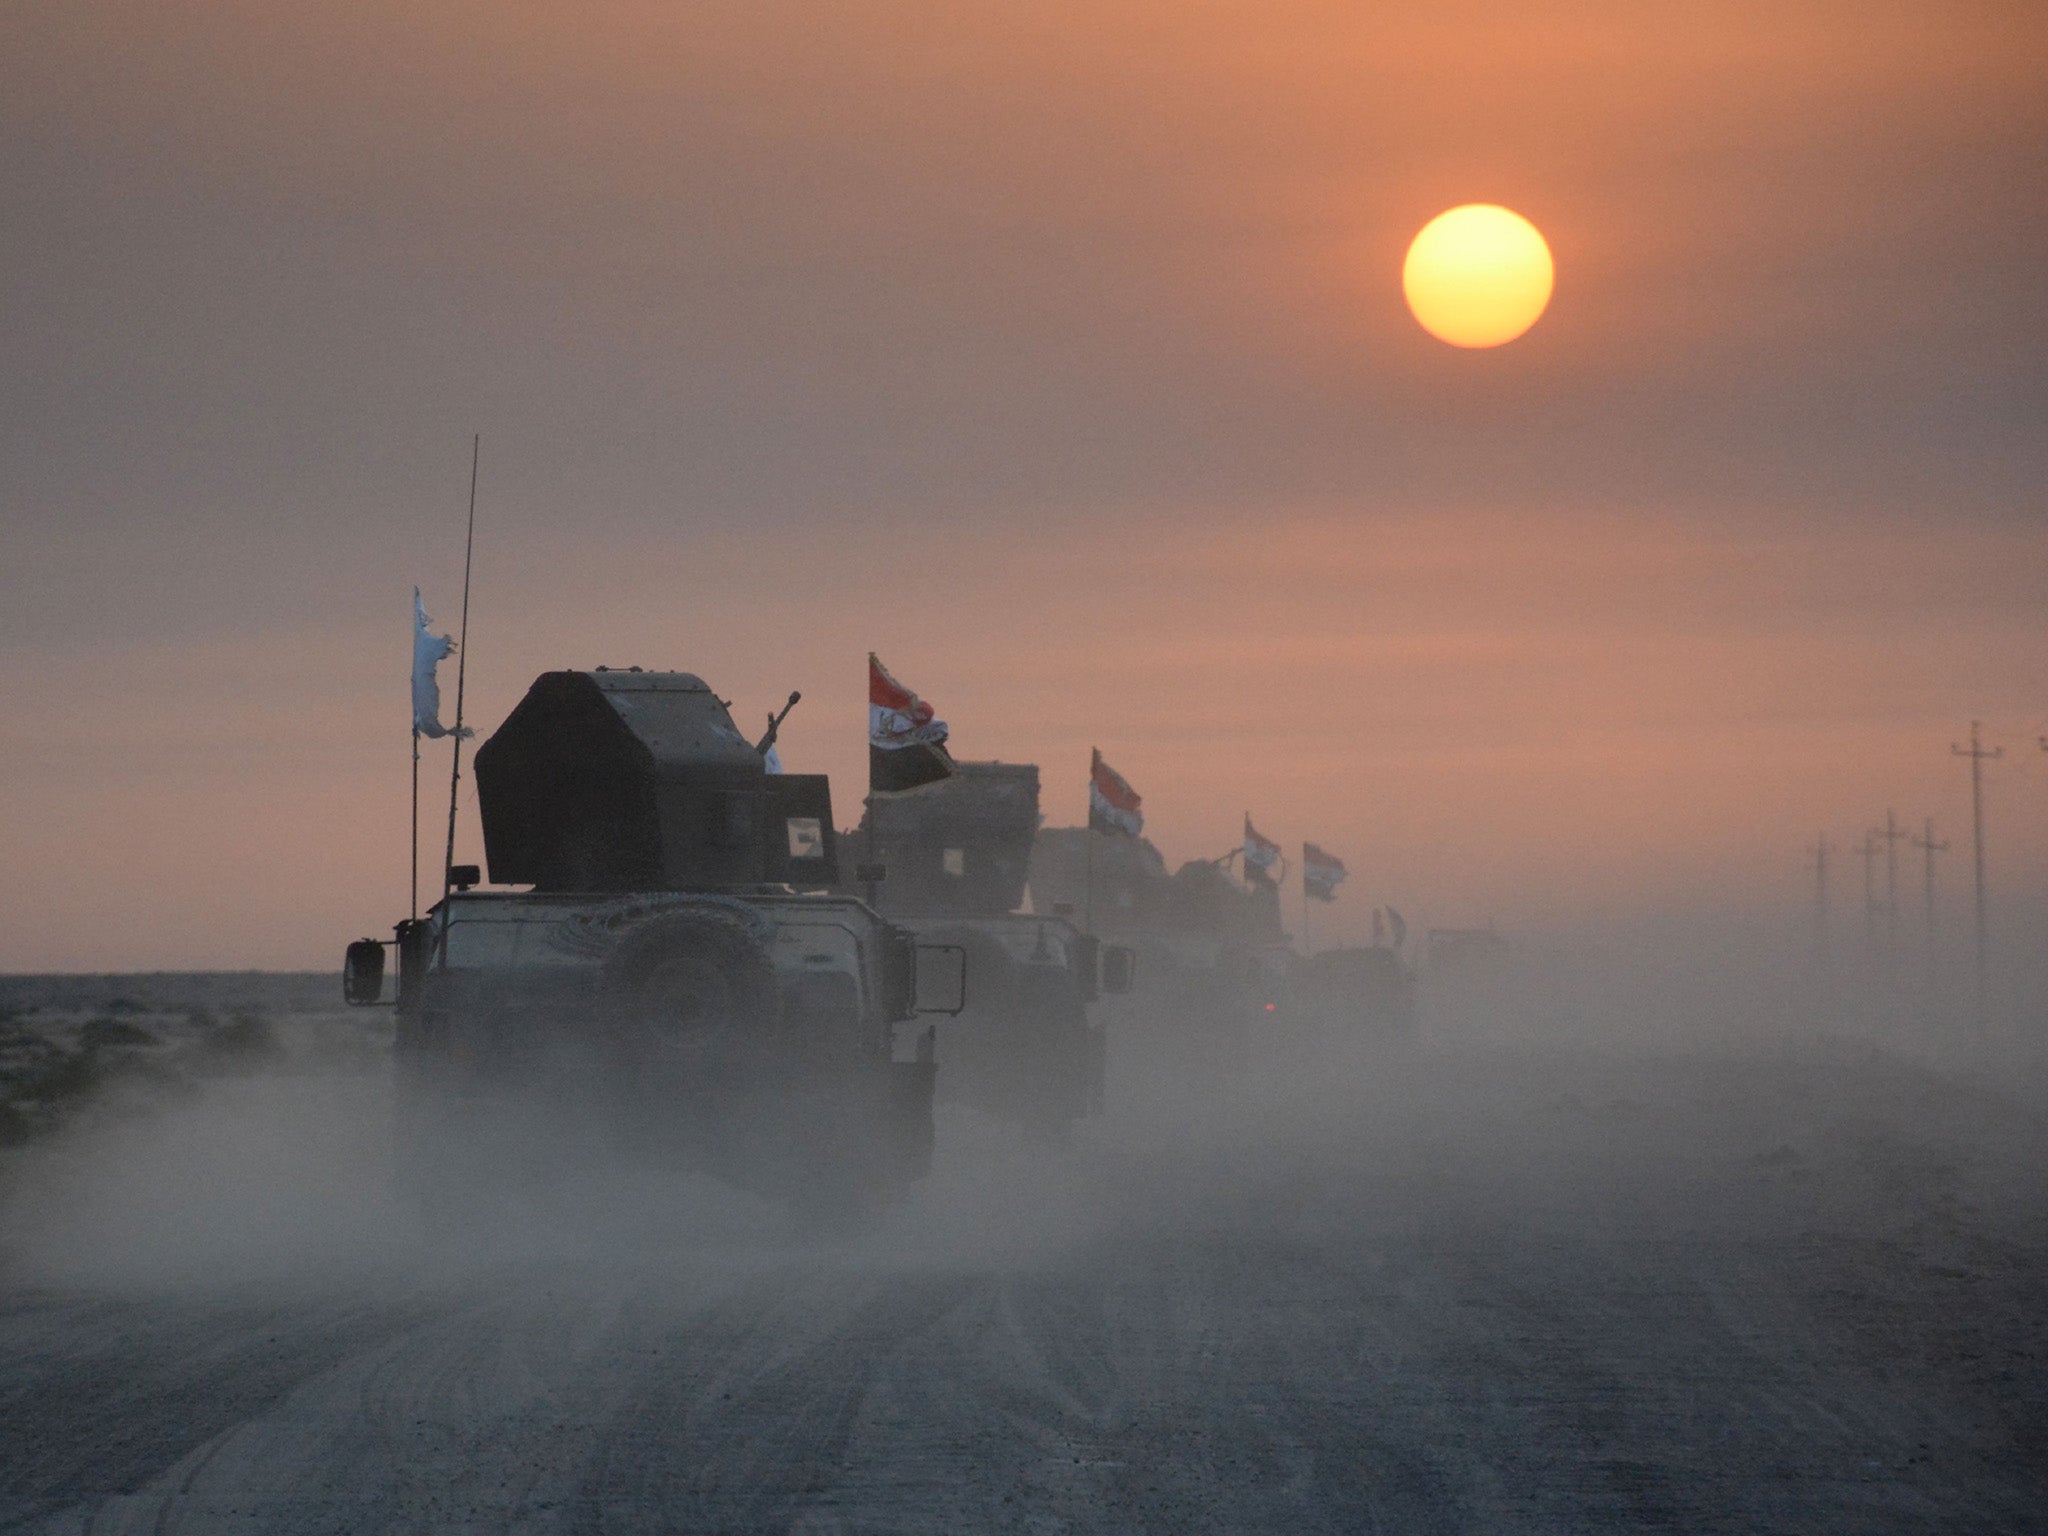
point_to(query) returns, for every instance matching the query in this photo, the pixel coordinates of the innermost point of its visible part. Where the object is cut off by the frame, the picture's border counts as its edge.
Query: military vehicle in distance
(1213, 952)
(956, 856)
(1366, 986)
(678, 980)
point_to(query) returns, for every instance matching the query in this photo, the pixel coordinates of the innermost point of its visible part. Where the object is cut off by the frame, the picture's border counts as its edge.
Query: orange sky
(1058, 355)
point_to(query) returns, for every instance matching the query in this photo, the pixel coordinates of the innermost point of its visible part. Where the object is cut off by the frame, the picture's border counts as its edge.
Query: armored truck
(662, 968)
(954, 859)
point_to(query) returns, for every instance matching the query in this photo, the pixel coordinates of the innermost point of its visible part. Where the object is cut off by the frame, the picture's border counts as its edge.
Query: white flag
(428, 651)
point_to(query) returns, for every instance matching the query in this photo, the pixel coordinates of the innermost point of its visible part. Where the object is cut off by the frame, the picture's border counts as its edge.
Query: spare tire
(689, 990)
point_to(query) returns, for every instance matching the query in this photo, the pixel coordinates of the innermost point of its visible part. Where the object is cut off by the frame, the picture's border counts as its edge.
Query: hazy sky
(1057, 352)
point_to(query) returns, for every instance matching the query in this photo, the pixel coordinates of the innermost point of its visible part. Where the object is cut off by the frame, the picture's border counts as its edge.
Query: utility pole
(1867, 852)
(1927, 845)
(1820, 899)
(1891, 834)
(1977, 753)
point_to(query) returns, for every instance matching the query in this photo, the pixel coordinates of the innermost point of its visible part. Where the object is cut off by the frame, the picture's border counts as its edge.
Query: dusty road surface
(1473, 1289)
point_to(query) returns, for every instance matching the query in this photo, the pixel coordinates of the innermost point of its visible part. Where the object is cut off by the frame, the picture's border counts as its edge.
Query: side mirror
(941, 981)
(362, 973)
(1119, 968)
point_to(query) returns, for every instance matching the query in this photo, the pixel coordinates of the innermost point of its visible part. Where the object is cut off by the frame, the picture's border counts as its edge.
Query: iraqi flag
(1261, 853)
(1113, 806)
(1321, 873)
(906, 746)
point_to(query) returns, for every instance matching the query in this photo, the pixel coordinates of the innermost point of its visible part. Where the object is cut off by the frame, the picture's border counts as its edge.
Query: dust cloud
(1640, 1078)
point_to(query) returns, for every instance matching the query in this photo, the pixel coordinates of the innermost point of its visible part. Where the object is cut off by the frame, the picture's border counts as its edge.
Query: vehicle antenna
(461, 672)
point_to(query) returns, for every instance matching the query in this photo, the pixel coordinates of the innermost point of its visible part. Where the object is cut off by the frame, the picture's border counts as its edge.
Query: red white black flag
(906, 746)
(1113, 806)
(1261, 853)
(1321, 873)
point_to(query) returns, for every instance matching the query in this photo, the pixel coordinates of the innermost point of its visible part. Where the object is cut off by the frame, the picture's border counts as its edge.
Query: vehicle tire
(911, 1129)
(440, 1169)
(1097, 1095)
(1049, 1084)
(689, 992)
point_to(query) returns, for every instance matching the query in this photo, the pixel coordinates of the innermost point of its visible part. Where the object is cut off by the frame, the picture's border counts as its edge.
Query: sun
(1477, 276)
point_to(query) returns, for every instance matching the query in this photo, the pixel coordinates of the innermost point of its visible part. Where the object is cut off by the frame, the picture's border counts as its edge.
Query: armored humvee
(1213, 952)
(956, 857)
(677, 980)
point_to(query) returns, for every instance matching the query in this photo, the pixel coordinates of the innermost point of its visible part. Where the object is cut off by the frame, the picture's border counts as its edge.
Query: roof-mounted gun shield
(640, 781)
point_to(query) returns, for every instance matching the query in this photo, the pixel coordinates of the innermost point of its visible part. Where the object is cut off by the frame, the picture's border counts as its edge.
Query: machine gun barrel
(775, 724)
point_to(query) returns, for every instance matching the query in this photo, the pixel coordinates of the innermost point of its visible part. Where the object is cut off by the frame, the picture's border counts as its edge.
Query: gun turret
(614, 780)
(961, 846)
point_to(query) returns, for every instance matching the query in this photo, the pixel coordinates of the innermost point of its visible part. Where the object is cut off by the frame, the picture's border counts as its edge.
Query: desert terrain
(1499, 1278)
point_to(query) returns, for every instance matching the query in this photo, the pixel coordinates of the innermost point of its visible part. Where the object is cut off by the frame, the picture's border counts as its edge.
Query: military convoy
(682, 972)
(675, 962)
(1217, 963)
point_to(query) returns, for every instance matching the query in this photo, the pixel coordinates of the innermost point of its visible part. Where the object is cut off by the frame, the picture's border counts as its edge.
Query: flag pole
(1088, 845)
(461, 673)
(1306, 948)
(415, 891)
(873, 889)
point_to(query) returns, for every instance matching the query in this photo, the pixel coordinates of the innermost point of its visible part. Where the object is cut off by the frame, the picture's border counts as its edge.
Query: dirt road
(1492, 1291)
